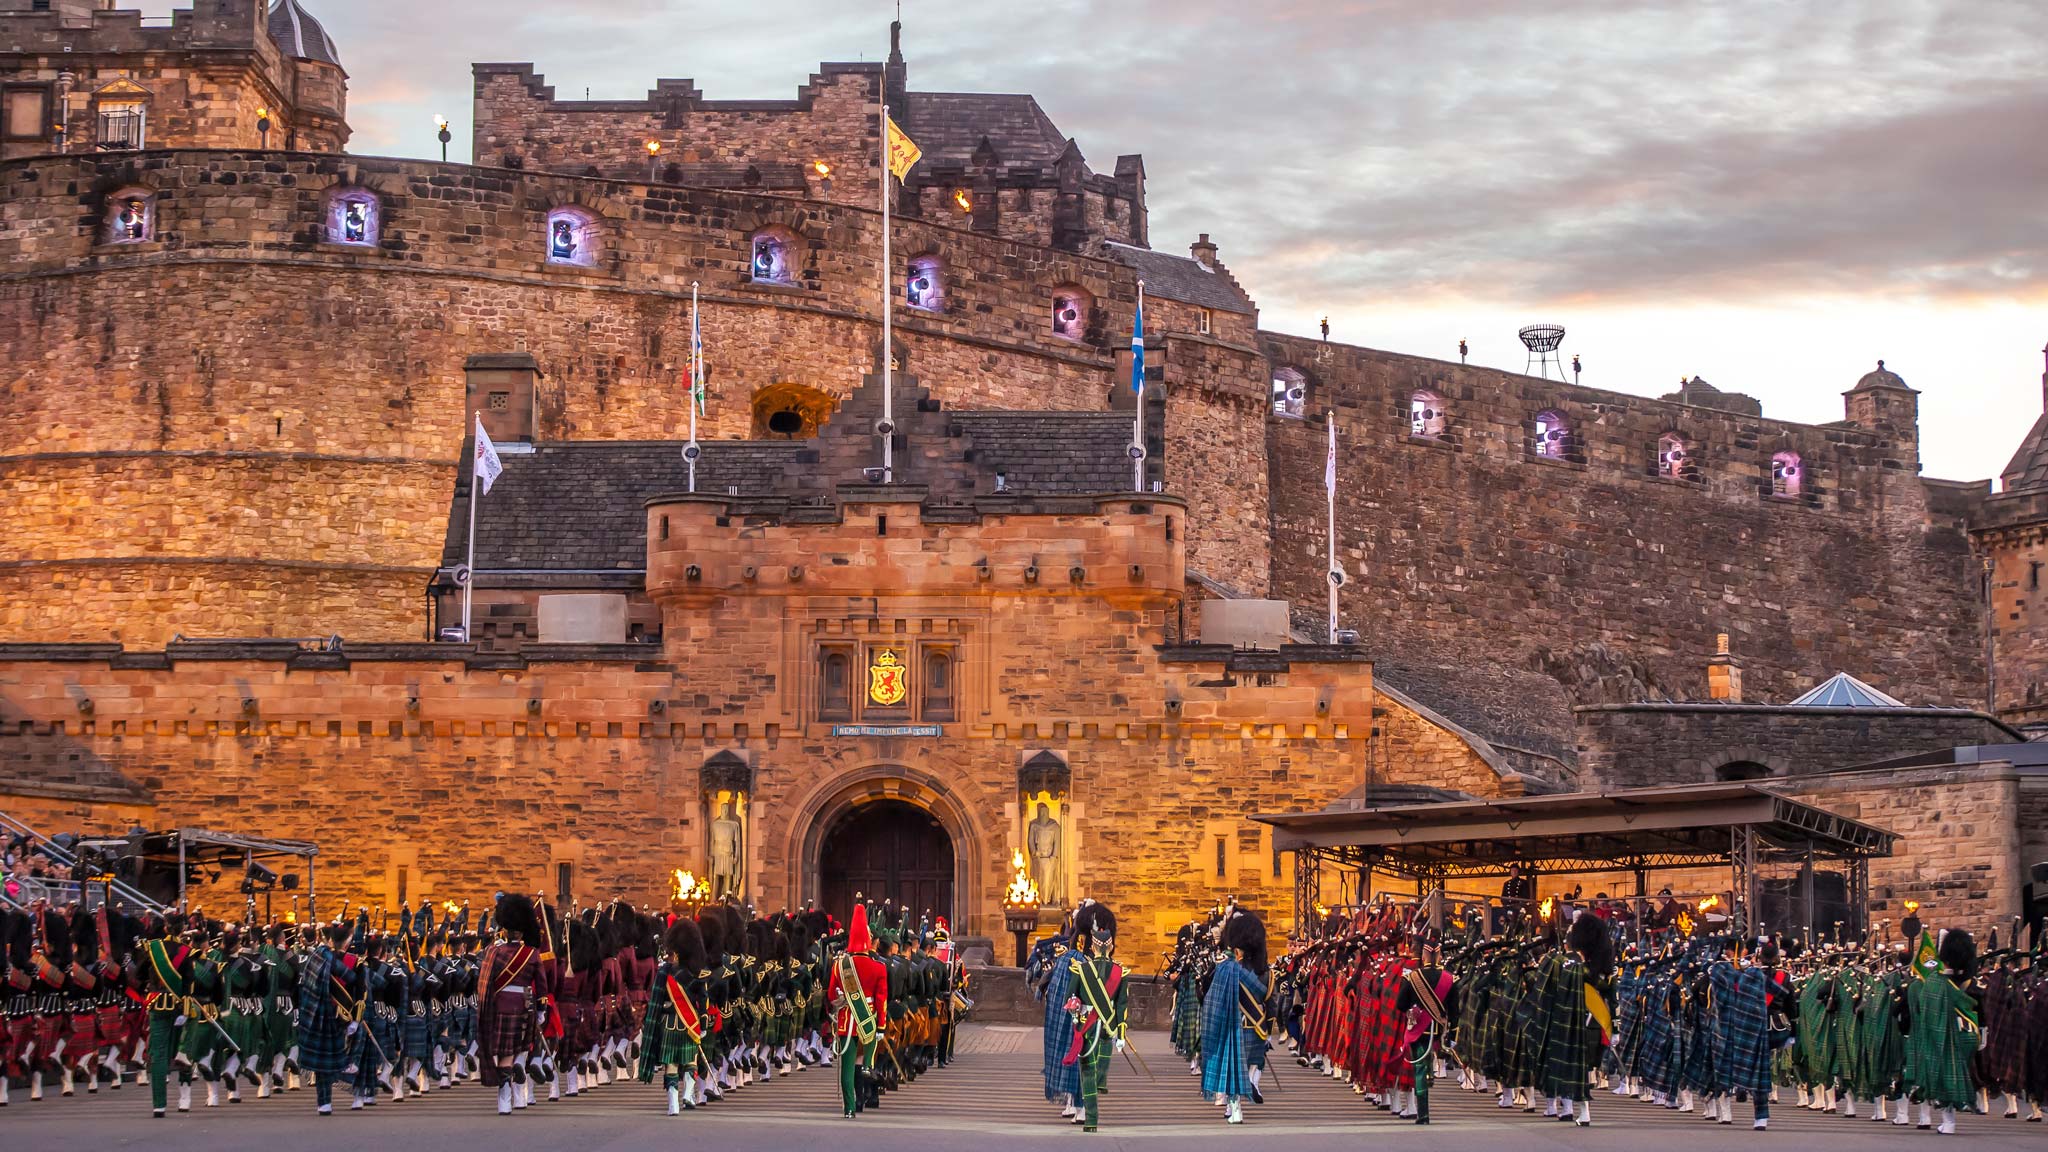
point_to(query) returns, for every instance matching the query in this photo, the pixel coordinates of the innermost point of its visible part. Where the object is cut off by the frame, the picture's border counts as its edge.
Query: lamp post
(441, 123)
(263, 126)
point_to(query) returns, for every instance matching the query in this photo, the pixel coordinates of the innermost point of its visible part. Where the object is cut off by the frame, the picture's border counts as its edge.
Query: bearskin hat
(56, 938)
(1093, 921)
(1588, 936)
(1958, 952)
(584, 946)
(85, 935)
(14, 936)
(685, 944)
(711, 928)
(735, 928)
(817, 925)
(516, 915)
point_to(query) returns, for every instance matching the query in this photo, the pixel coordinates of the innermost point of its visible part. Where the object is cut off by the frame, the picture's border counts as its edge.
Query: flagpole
(888, 425)
(1138, 387)
(1330, 484)
(696, 381)
(469, 555)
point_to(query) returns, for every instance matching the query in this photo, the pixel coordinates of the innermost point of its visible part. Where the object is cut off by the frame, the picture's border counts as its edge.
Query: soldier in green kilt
(672, 1037)
(1099, 1006)
(241, 1018)
(1573, 1017)
(167, 964)
(1942, 1032)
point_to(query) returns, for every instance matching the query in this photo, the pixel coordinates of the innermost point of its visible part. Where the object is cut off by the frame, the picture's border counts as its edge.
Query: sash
(344, 998)
(1095, 992)
(502, 978)
(1596, 1007)
(686, 1012)
(860, 1011)
(1254, 1012)
(1431, 1000)
(165, 967)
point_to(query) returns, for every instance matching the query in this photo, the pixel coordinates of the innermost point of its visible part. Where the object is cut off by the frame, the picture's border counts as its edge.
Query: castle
(243, 365)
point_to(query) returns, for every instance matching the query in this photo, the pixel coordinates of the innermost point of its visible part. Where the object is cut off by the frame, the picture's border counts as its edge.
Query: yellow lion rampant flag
(903, 151)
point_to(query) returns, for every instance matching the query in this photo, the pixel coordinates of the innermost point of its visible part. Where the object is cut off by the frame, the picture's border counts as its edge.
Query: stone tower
(2011, 536)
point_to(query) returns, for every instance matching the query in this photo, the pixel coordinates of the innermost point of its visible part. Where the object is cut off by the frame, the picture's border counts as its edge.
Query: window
(1070, 308)
(2034, 576)
(1740, 770)
(1787, 474)
(565, 874)
(1290, 392)
(835, 684)
(1426, 416)
(572, 237)
(25, 115)
(938, 684)
(772, 253)
(1204, 319)
(499, 401)
(404, 884)
(131, 217)
(1220, 857)
(925, 289)
(1674, 458)
(120, 127)
(354, 217)
(1552, 435)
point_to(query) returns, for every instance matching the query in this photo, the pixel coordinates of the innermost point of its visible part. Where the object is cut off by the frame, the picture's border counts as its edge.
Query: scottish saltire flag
(696, 362)
(1138, 347)
(486, 466)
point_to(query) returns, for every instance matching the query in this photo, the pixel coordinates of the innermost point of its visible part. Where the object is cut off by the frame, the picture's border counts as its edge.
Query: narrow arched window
(925, 287)
(1674, 457)
(354, 217)
(835, 680)
(572, 237)
(131, 217)
(1426, 416)
(1290, 392)
(1788, 474)
(1070, 308)
(772, 256)
(938, 684)
(1551, 435)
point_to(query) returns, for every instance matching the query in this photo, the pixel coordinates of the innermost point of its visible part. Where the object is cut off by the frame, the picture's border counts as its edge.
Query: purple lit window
(1426, 416)
(1552, 435)
(771, 255)
(1788, 474)
(131, 217)
(1070, 314)
(1290, 392)
(572, 237)
(1674, 459)
(926, 287)
(354, 217)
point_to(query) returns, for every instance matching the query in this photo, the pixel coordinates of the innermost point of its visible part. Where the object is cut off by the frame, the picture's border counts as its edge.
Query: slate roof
(1181, 278)
(580, 505)
(1075, 452)
(2028, 471)
(1845, 691)
(299, 35)
(948, 126)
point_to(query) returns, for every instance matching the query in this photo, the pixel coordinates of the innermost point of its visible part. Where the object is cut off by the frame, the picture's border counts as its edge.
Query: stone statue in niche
(725, 852)
(1044, 839)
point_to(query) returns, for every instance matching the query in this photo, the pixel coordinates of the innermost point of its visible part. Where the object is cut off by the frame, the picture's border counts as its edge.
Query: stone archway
(887, 850)
(832, 804)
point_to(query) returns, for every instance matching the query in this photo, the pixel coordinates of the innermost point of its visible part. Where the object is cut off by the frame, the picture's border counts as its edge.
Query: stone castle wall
(1651, 745)
(1597, 572)
(238, 359)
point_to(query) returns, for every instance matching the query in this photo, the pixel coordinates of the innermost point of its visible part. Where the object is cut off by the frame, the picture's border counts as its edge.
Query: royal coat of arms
(888, 683)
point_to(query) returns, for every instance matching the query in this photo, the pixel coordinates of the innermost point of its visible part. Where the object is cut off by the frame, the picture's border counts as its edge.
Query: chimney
(1203, 250)
(1724, 675)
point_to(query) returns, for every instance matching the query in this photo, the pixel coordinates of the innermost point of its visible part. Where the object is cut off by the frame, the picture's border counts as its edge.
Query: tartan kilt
(52, 1029)
(678, 1049)
(511, 1028)
(110, 1027)
(579, 1025)
(15, 1035)
(279, 1028)
(84, 1031)
(415, 1037)
(323, 1045)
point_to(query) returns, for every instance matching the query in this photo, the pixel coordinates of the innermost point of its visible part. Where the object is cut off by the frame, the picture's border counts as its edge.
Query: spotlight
(258, 878)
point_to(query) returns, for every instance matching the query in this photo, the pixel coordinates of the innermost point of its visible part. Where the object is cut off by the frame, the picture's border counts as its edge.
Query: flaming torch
(1020, 904)
(686, 889)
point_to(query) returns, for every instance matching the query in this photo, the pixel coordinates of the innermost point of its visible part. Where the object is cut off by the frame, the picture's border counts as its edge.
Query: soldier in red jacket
(858, 995)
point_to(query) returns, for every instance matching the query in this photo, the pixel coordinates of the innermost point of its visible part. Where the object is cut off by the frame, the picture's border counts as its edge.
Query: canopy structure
(182, 852)
(1738, 826)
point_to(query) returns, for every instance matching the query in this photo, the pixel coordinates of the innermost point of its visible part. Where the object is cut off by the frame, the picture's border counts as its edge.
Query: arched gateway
(889, 833)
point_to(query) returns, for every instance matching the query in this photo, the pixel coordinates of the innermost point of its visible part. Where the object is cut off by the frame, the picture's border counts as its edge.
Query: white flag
(1330, 462)
(486, 467)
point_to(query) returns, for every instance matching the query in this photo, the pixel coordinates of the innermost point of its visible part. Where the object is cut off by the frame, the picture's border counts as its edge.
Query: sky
(1769, 194)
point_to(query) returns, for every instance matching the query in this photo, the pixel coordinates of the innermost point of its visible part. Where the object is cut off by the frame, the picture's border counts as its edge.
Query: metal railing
(61, 889)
